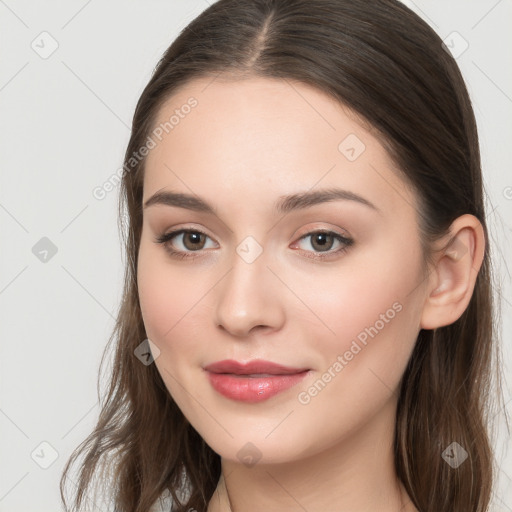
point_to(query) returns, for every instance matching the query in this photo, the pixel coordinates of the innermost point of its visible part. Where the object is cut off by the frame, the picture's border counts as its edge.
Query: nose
(249, 299)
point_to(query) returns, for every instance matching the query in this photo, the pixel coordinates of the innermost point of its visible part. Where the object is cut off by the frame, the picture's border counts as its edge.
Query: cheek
(375, 322)
(167, 296)
(170, 303)
(367, 311)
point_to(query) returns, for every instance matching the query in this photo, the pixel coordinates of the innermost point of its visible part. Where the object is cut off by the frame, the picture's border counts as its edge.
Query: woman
(307, 320)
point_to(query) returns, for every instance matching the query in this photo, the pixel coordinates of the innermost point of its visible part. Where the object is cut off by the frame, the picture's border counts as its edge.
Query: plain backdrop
(71, 73)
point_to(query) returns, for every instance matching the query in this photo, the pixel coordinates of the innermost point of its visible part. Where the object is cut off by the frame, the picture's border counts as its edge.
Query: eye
(192, 240)
(322, 241)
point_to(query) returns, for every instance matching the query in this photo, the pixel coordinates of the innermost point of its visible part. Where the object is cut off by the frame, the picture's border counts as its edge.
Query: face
(328, 287)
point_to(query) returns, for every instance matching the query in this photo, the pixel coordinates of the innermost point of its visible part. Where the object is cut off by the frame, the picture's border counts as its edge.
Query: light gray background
(64, 126)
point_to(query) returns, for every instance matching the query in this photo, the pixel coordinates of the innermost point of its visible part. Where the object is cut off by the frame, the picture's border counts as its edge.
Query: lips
(255, 367)
(254, 381)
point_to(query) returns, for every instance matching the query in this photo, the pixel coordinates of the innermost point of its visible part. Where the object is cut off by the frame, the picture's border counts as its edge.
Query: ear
(452, 280)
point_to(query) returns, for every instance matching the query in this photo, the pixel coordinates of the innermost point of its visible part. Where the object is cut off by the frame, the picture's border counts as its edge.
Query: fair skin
(247, 143)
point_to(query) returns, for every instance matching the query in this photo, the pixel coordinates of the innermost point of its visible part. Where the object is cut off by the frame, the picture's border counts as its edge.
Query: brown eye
(324, 244)
(183, 242)
(322, 241)
(193, 240)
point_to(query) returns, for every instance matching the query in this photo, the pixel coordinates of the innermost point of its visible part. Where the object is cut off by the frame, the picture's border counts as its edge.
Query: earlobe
(452, 281)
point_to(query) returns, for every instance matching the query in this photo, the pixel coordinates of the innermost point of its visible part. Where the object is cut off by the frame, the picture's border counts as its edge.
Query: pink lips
(255, 381)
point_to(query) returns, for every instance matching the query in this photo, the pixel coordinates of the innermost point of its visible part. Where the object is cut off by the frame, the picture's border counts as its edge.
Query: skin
(244, 145)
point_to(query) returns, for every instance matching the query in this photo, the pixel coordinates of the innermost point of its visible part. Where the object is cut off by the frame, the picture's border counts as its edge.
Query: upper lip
(252, 367)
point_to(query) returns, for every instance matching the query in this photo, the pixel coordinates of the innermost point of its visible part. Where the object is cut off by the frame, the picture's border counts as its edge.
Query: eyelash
(167, 237)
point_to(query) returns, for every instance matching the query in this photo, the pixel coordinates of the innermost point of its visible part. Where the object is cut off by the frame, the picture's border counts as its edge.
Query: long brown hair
(386, 64)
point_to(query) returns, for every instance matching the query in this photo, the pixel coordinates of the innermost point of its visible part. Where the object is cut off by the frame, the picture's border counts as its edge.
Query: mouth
(255, 367)
(254, 381)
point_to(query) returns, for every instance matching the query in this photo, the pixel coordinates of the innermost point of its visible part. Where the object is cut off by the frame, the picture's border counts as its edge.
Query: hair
(385, 64)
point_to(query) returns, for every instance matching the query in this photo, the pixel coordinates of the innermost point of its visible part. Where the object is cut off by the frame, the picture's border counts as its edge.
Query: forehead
(267, 137)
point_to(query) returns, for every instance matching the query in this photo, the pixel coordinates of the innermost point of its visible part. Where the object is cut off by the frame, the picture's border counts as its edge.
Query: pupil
(321, 239)
(194, 238)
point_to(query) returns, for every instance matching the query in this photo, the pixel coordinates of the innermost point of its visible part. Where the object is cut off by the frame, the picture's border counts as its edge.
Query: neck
(355, 475)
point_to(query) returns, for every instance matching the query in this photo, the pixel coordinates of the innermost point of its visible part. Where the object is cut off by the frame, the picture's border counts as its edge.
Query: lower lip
(253, 389)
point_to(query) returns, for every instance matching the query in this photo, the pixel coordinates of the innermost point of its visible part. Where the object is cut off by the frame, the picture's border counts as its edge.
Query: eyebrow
(285, 204)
